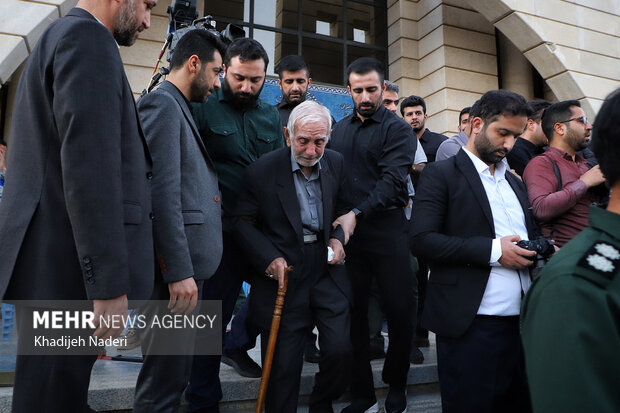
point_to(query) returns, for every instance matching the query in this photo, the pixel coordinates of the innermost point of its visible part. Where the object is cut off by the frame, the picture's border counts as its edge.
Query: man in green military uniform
(571, 316)
(237, 127)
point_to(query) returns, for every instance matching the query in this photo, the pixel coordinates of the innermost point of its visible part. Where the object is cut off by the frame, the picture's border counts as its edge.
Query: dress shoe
(242, 363)
(396, 400)
(362, 406)
(311, 353)
(416, 356)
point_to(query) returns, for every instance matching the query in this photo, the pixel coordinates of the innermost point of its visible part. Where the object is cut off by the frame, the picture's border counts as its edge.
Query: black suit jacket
(268, 223)
(453, 229)
(74, 218)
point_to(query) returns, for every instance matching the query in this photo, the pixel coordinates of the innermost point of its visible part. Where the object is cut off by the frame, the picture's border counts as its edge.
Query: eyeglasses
(581, 119)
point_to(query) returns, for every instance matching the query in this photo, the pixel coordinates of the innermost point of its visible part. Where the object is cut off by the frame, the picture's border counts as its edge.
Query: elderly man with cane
(284, 217)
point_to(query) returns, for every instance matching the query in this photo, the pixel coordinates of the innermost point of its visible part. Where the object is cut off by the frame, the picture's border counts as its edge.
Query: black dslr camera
(544, 250)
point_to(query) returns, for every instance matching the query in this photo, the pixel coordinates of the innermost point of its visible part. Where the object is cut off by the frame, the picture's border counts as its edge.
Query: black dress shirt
(285, 109)
(377, 156)
(430, 143)
(522, 152)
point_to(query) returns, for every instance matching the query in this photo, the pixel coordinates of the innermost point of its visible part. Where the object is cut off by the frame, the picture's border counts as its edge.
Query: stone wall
(21, 25)
(443, 50)
(140, 59)
(446, 51)
(574, 44)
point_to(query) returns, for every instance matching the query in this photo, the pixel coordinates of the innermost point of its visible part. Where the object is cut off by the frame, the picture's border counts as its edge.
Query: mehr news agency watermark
(58, 330)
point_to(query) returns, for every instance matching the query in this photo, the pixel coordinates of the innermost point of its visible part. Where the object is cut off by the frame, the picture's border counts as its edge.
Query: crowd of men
(378, 216)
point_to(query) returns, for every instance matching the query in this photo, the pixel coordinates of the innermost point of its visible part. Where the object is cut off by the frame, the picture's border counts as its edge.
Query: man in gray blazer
(74, 219)
(186, 202)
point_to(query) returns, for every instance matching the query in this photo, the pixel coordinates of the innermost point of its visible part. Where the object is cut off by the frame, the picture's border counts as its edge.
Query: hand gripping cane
(271, 345)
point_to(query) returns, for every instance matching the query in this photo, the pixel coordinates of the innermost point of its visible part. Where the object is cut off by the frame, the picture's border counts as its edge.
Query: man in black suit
(284, 217)
(469, 211)
(74, 221)
(378, 149)
(186, 202)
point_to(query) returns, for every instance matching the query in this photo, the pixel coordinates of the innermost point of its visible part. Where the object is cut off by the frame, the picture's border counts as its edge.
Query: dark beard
(240, 100)
(488, 154)
(126, 25)
(491, 158)
(199, 90)
(367, 112)
(576, 142)
(295, 102)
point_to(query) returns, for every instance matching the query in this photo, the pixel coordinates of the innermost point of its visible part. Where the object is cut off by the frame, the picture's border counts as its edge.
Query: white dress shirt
(505, 286)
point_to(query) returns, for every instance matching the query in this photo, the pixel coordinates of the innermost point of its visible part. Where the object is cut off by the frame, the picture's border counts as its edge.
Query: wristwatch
(357, 212)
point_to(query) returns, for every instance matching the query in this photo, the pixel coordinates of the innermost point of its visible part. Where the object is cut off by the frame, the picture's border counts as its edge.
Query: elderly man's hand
(275, 270)
(338, 249)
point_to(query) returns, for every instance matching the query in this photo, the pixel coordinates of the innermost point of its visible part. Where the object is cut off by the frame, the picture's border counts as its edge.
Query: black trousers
(204, 390)
(389, 264)
(422, 280)
(483, 371)
(163, 378)
(50, 384)
(315, 298)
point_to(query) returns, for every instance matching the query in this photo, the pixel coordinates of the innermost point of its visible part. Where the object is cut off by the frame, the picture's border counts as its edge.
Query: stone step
(113, 383)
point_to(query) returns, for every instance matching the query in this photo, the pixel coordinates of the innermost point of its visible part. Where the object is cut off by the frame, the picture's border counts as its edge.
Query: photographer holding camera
(570, 324)
(471, 211)
(560, 184)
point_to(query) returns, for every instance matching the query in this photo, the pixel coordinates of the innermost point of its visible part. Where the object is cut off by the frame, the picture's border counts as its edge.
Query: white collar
(483, 168)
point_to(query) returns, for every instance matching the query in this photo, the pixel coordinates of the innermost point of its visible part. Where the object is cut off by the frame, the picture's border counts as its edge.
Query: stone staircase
(113, 382)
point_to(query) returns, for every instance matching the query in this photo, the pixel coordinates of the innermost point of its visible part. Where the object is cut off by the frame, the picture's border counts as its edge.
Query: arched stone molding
(21, 24)
(573, 44)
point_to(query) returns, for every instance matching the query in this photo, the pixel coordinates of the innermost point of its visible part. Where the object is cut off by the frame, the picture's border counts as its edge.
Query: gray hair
(391, 86)
(309, 111)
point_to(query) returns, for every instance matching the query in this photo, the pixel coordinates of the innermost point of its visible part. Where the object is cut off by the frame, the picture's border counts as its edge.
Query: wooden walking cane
(271, 345)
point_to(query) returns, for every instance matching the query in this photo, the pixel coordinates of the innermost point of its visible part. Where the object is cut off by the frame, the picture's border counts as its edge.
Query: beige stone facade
(447, 51)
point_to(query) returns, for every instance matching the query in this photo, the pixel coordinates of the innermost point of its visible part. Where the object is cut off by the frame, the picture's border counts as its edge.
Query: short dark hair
(465, 110)
(537, 107)
(247, 49)
(292, 63)
(412, 100)
(606, 137)
(555, 113)
(391, 86)
(365, 65)
(496, 103)
(474, 109)
(201, 43)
